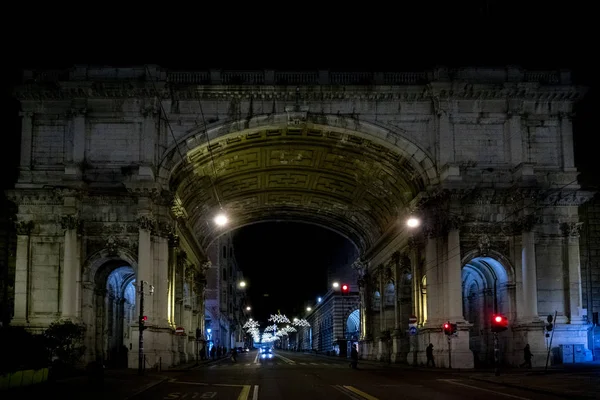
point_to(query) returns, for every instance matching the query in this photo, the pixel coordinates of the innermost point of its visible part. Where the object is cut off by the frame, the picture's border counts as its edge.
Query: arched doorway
(353, 325)
(114, 306)
(487, 290)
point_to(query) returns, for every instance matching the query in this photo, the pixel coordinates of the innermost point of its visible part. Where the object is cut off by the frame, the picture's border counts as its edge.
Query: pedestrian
(354, 357)
(527, 355)
(429, 353)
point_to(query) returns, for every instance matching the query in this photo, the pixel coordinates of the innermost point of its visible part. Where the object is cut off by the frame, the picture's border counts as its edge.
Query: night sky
(288, 261)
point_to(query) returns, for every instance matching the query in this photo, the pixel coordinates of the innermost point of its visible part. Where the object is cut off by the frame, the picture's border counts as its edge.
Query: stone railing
(299, 78)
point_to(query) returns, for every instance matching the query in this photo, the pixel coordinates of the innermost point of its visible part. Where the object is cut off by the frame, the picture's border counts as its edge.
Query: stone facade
(225, 298)
(115, 163)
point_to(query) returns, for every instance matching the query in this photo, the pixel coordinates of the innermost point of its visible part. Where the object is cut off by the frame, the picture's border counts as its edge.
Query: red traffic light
(499, 323)
(446, 326)
(345, 288)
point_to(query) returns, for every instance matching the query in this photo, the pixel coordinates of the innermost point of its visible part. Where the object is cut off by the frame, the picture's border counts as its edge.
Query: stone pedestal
(384, 349)
(531, 333)
(400, 349)
(367, 350)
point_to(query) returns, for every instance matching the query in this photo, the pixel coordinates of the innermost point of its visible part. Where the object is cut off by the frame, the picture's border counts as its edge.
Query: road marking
(360, 393)
(453, 381)
(255, 394)
(347, 392)
(189, 383)
(287, 360)
(256, 359)
(244, 393)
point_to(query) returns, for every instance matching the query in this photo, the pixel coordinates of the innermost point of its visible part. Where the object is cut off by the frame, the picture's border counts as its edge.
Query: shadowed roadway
(301, 376)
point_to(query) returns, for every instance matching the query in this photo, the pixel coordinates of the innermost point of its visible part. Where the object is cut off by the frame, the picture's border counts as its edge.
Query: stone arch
(108, 304)
(487, 288)
(404, 169)
(386, 136)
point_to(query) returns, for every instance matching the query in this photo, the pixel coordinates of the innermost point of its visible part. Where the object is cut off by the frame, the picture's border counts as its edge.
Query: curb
(535, 390)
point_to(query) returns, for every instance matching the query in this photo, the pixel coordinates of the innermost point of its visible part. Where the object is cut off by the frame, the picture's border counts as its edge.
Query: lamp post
(142, 325)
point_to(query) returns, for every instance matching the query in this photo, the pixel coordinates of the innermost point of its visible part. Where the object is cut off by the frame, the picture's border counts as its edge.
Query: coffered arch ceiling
(313, 174)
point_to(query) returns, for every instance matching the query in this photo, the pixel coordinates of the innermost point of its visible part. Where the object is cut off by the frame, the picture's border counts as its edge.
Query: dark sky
(287, 262)
(394, 37)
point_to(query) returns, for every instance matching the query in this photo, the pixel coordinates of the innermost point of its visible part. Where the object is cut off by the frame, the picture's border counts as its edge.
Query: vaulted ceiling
(333, 179)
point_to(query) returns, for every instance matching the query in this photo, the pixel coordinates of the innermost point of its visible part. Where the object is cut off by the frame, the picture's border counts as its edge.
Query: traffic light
(447, 328)
(499, 323)
(143, 321)
(345, 288)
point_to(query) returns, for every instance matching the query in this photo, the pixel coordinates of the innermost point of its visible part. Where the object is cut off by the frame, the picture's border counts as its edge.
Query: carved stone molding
(112, 245)
(147, 223)
(164, 229)
(174, 240)
(24, 228)
(205, 266)
(361, 267)
(190, 273)
(70, 222)
(571, 229)
(76, 112)
(483, 244)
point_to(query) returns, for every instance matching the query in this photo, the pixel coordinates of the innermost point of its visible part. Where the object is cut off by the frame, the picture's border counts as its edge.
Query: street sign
(412, 330)
(179, 330)
(412, 319)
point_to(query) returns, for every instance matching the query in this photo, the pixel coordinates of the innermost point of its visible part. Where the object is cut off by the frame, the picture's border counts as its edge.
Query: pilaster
(574, 298)
(23, 273)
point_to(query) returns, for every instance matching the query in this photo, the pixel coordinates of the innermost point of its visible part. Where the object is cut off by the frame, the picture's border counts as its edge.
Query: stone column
(454, 273)
(75, 154)
(173, 246)
(529, 270)
(161, 279)
(364, 289)
(396, 273)
(146, 225)
(413, 256)
(381, 284)
(431, 271)
(71, 275)
(23, 273)
(574, 296)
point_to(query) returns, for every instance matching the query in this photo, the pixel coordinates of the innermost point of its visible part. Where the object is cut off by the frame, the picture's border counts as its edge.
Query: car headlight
(263, 355)
(270, 355)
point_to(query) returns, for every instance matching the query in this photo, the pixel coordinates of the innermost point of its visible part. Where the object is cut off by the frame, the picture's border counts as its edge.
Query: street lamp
(413, 222)
(319, 299)
(242, 284)
(221, 219)
(248, 308)
(309, 309)
(336, 285)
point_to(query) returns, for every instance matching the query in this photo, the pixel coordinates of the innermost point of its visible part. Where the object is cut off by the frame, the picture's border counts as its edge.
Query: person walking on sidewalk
(527, 355)
(429, 354)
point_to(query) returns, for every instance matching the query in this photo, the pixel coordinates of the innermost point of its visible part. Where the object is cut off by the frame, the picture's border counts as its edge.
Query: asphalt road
(291, 376)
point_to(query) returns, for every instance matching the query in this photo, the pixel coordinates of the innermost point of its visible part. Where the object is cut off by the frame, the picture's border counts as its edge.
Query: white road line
(256, 359)
(453, 382)
(285, 359)
(255, 393)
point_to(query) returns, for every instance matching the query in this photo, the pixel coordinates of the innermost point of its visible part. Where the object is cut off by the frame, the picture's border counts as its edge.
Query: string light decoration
(279, 319)
(301, 322)
(271, 328)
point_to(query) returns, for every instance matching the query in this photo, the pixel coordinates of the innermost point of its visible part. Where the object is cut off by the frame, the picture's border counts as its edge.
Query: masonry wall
(590, 256)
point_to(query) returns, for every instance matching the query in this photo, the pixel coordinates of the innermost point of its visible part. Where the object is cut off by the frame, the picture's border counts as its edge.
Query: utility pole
(142, 327)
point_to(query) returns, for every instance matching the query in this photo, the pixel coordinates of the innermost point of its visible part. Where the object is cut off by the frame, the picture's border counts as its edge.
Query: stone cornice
(150, 82)
(34, 92)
